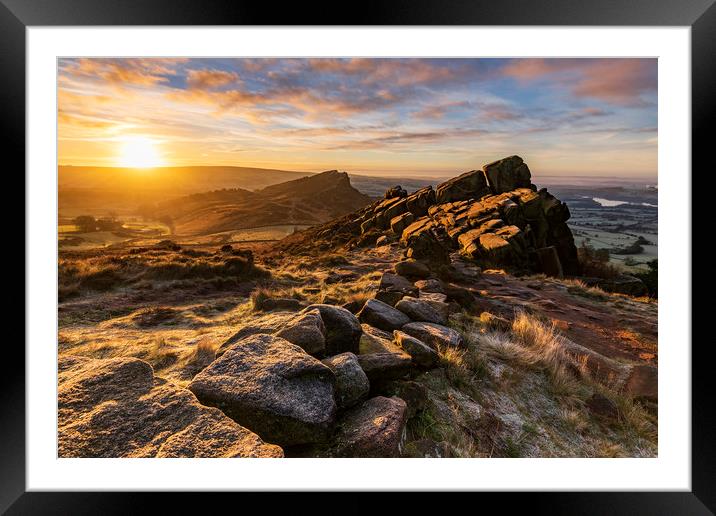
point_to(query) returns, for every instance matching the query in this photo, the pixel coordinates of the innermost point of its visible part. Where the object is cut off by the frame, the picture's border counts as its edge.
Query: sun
(139, 152)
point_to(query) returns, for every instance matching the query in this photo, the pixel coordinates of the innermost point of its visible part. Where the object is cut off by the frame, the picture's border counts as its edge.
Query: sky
(395, 117)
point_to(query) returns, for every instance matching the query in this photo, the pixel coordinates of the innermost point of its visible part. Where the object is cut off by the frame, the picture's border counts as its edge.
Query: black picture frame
(700, 15)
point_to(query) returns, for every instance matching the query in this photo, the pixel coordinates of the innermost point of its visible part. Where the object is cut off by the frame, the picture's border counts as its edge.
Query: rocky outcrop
(117, 408)
(494, 216)
(272, 386)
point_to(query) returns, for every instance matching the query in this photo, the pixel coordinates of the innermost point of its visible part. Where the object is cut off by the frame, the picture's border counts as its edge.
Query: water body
(608, 203)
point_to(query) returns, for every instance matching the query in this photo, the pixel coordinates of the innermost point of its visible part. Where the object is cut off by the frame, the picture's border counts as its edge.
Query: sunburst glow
(139, 152)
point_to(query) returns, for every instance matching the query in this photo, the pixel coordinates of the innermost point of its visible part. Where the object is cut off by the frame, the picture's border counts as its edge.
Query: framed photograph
(417, 250)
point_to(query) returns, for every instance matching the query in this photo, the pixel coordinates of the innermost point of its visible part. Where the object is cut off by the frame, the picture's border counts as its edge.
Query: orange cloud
(208, 79)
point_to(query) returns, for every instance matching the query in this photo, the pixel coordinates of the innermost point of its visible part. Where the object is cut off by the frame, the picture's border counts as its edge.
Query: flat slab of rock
(434, 335)
(307, 331)
(421, 354)
(343, 330)
(373, 429)
(273, 387)
(382, 315)
(419, 310)
(117, 408)
(379, 367)
(352, 384)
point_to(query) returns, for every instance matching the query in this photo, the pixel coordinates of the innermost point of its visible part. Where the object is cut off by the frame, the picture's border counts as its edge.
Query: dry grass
(112, 269)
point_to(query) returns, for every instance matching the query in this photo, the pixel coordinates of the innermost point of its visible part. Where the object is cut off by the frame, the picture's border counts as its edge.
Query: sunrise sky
(411, 117)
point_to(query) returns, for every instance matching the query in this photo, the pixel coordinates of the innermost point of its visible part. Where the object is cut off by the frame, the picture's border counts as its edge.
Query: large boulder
(117, 408)
(273, 387)
(379, 367)
(343, 329)
(264, 324)
(394, 283)
(419, 310)
(470, 185)
(352, 384)
(434, 335)
(382, 315)
(508, 174)
(373, 429)
(307, 331)
(421, 354)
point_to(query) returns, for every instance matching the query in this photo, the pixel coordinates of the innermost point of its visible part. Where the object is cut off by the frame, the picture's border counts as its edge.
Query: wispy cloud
(374, 114)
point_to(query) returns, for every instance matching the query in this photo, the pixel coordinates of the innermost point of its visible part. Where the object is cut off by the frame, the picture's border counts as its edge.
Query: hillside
(305, 201)
(445, 322)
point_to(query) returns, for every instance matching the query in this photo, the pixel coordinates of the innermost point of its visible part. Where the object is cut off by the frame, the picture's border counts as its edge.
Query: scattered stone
(353, 306)
(434, 335)
(377, 341)
(385, 366)
(372, 429)
(307, 331)
(430, 286)
(412, 269)
(413, 393)
(272, 386)
(394, 283)
(117, 408)
(421, 354)
(433, 297)
(352, 384)
(343, 329)
(382, 315)
(419, 310)
(388, 297)
(462, 296)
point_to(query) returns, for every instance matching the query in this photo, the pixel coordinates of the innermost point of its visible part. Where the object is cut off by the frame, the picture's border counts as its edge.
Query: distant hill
(310, 200)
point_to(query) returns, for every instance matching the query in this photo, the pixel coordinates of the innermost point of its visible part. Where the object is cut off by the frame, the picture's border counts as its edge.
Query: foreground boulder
(117, 408)
(382, 315)
(273, 387)
(434, 335)
(380, 367)
(373, 429)
(307, 331)
(343, 328)
(352, 384)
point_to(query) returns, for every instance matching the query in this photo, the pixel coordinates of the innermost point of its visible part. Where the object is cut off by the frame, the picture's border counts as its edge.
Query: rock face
(373, 429)
(494, 216)
(434, 335)
(117, 408)
(382, 315)
(307, 331)
(343, 329)
(284, 394)
(352, 384)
